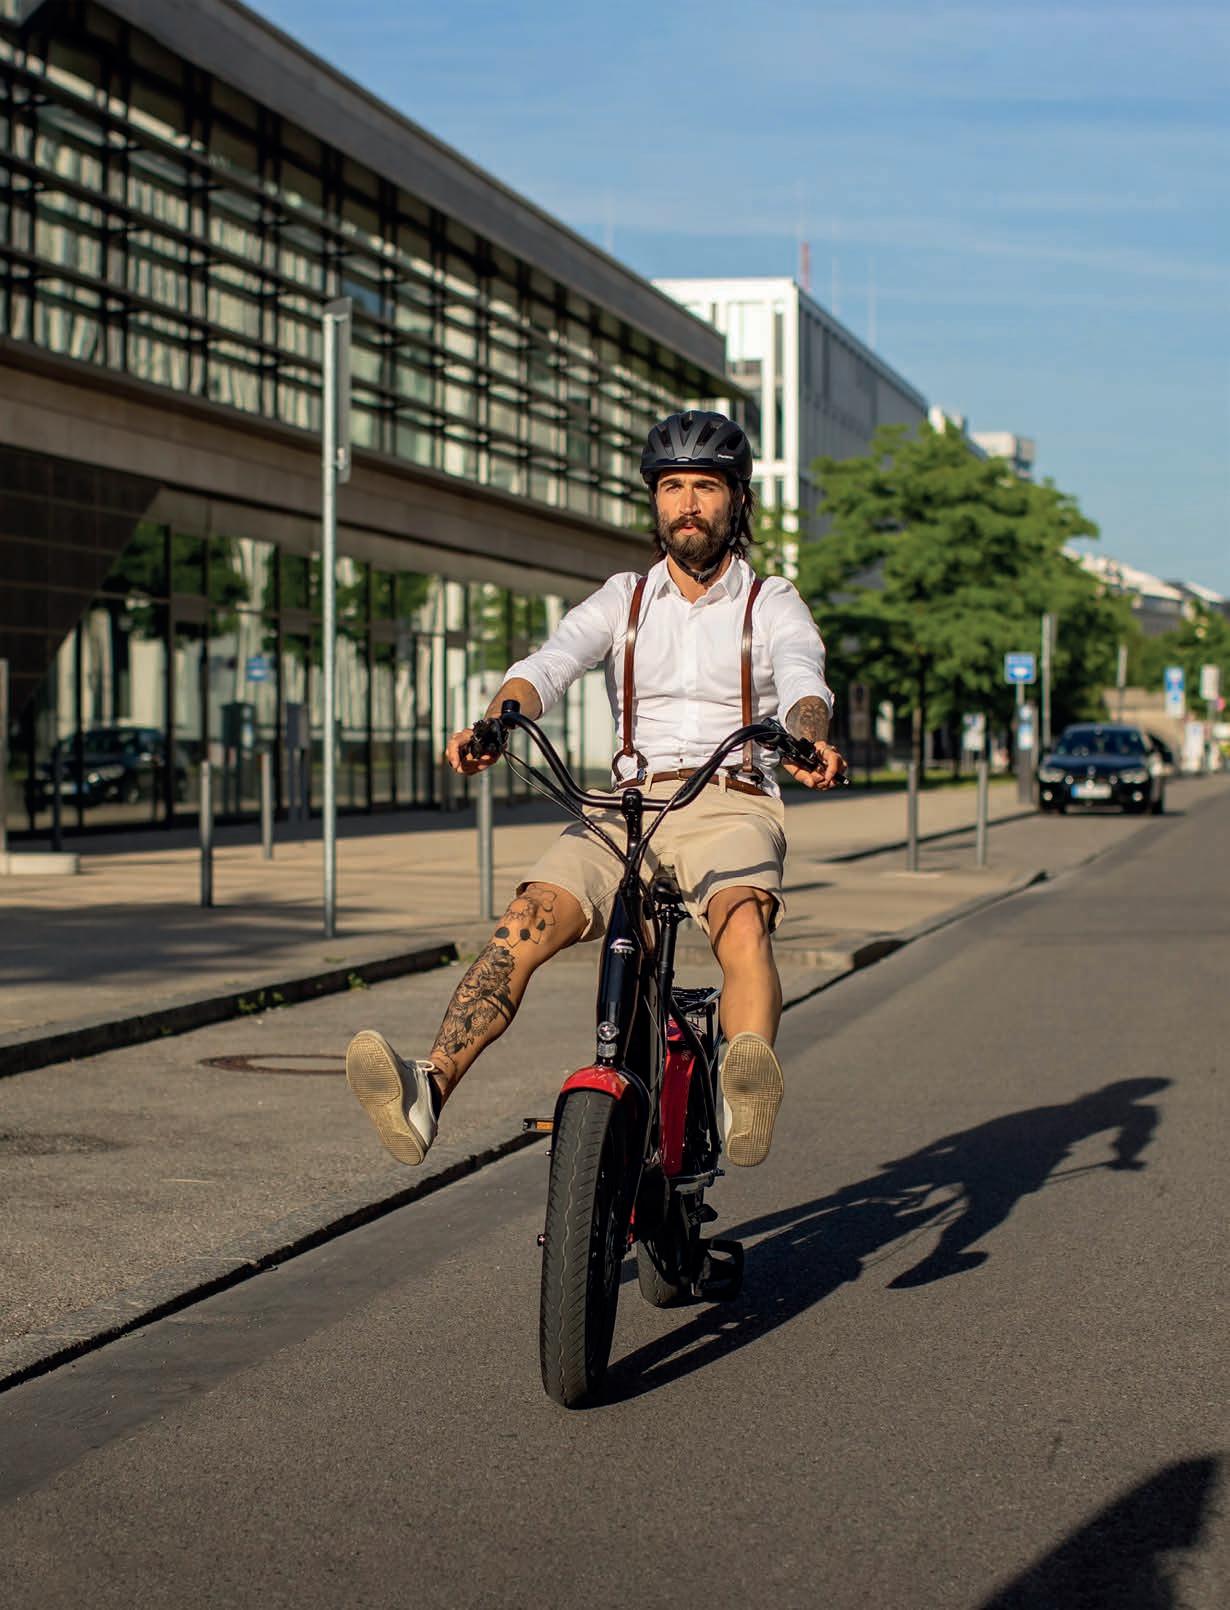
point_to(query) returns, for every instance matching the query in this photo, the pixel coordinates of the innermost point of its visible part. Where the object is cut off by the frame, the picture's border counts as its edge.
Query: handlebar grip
(485, 739)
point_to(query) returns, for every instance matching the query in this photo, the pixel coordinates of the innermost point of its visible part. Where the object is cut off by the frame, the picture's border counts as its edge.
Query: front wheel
(589, 1202)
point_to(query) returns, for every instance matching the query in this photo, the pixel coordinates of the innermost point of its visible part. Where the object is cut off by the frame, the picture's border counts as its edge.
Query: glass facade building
(167, 240)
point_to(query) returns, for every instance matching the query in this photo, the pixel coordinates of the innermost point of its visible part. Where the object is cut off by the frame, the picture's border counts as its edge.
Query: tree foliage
(936, 563)
(1202, 639)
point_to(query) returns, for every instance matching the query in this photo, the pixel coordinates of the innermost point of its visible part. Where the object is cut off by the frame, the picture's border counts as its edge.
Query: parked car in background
(1098, 765)
(124, 764)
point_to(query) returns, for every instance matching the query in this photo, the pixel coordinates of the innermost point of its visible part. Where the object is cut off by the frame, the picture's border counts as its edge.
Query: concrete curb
(179, 1286)
(22, 1052)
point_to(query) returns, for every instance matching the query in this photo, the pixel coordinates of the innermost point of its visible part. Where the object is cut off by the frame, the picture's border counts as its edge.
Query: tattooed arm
(809, 719)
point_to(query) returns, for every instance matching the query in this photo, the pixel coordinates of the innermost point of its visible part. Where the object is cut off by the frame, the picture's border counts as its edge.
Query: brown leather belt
(723, 779)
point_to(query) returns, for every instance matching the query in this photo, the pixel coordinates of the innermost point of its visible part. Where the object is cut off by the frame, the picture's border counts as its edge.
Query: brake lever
(802, 752)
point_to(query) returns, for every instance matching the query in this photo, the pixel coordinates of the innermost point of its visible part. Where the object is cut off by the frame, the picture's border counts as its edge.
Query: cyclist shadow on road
(963, 1185)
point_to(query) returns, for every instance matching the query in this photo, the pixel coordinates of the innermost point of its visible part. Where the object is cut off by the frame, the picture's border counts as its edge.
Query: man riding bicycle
(693, 650)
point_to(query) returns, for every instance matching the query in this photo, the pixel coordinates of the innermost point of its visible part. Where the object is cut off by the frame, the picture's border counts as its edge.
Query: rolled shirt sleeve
(582, 640)
(796, 648)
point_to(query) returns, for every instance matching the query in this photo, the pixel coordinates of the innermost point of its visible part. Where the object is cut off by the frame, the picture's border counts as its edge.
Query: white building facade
(813, 388)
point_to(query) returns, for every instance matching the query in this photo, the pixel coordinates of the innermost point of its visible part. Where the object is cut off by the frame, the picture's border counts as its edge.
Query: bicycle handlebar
(490, 737)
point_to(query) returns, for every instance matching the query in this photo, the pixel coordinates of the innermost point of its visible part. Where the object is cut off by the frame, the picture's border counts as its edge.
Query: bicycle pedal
(539, 1126)
(706, 1214)
(721, 1271)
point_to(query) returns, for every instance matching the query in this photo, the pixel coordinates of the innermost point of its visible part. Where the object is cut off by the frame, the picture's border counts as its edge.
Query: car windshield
(1099, 741)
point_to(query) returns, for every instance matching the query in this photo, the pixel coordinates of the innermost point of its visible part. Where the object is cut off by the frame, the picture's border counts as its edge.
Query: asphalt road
(980, 1361)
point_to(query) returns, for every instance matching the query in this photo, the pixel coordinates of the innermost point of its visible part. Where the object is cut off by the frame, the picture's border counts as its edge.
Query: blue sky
(1040, 195)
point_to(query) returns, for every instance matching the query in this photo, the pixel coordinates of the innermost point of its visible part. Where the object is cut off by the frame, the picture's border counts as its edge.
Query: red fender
(597, 1077)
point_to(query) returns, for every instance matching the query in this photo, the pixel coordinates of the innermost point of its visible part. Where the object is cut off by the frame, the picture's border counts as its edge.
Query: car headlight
(1050, 774)
(1139, 775)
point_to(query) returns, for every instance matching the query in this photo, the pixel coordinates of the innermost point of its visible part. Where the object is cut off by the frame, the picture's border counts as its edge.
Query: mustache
(696, 520)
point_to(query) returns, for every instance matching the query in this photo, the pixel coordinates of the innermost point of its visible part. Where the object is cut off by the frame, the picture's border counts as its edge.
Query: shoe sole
(373, 1072)
(752, 1087)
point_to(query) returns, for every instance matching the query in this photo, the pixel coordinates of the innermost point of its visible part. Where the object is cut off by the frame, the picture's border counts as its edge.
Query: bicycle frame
(648, 1049)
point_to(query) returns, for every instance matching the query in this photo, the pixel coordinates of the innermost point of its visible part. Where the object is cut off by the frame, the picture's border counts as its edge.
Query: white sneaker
(752, 1088)
(398, 1097)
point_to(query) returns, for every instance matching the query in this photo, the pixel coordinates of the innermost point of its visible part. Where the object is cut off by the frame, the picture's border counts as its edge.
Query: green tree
(936, 563)
(1202, 639)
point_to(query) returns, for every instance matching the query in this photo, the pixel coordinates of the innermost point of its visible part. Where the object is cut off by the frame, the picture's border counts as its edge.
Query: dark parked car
(117, 763)
(1102, 765)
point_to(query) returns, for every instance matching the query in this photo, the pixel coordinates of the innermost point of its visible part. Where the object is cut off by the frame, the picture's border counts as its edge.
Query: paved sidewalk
(128, 936)
(132, 1181)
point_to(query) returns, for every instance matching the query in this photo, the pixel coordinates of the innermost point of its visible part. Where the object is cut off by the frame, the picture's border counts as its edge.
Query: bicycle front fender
(610, 1081)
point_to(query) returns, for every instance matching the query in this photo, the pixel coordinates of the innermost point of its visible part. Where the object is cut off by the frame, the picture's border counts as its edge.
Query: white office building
(1021, 452)
(812, 387)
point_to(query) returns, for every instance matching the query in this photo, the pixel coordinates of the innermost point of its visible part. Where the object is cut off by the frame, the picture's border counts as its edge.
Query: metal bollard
(980, 831)
(266, 805)
(4, 759)
(486, 848)
(207, 834)
(57, 798)
(911, 818)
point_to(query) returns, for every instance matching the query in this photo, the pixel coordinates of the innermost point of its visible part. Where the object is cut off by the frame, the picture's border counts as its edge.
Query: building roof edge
(252, 54)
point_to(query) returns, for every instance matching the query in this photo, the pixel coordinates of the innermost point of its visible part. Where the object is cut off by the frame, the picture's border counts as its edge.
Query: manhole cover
(294, 1062)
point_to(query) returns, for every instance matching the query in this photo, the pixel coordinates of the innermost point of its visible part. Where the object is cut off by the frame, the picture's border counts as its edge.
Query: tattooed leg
(541, 921)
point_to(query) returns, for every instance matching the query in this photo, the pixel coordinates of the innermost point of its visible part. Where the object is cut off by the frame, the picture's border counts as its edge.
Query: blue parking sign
(1174, 683)
(1020, 669)
(258, 667)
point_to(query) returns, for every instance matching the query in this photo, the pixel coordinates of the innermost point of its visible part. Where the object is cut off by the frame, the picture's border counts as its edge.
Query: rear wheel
(668, 1257)
(589, 1202)
(663, 1257)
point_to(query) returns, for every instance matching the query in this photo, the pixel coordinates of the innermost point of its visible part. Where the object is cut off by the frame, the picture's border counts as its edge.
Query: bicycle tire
(659, 1266)
(667, 1257)
(588, 1207)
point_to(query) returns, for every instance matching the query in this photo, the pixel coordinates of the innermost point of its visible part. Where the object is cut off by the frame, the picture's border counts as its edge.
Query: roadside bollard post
(207, 834)
(911, 818)
(4, 760)
(980, 833)
(486, 848)
(266, 805)
(57, 797)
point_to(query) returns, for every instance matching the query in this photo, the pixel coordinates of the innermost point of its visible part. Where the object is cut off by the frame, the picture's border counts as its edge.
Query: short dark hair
(743, 535)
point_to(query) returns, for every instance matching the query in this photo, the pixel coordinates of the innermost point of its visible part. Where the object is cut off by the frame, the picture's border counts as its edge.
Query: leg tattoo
(486, 1000)
(529, 920)
(480, 1001)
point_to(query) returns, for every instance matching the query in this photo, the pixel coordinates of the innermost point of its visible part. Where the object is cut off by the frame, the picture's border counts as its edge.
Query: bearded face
(694, 524)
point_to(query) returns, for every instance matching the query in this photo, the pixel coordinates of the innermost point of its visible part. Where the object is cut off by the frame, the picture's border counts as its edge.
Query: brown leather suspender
(634, 623)
(746, 656)
(745, 652)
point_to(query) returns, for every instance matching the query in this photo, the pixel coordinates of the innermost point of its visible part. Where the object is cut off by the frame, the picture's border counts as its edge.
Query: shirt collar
(729, 585)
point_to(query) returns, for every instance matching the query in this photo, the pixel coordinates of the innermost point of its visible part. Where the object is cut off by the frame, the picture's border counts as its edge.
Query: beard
(699, 549)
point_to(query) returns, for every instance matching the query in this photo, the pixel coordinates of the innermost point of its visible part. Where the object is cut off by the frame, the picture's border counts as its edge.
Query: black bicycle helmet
(697, 441)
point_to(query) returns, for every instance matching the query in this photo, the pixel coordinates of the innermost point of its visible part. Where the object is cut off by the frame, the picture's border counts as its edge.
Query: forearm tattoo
(809, 719)
(484, 1000)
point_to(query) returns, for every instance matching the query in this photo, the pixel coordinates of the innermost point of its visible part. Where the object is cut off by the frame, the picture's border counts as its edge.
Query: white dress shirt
(688, 662)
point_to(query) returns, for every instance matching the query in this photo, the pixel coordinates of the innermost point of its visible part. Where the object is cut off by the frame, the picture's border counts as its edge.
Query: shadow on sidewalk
(964, 1185)
(1119, 1557)
(102, 944)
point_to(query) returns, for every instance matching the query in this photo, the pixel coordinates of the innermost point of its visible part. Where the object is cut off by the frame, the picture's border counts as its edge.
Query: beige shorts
(723, 840)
